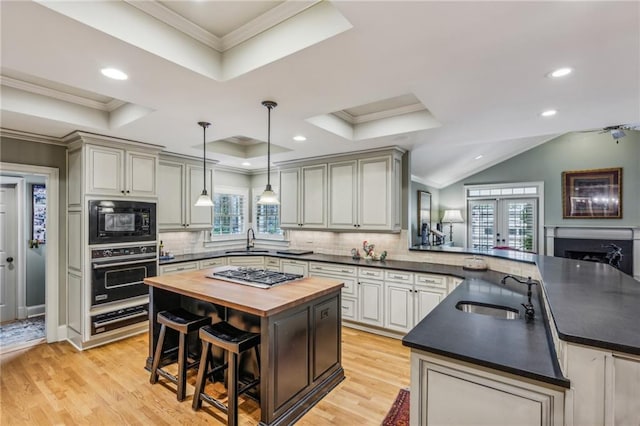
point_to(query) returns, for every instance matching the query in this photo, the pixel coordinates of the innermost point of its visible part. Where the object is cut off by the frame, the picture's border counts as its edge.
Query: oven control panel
(123, 251)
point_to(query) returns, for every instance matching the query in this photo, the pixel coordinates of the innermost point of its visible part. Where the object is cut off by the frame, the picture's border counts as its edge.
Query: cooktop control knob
(107, 253)
(143, 249)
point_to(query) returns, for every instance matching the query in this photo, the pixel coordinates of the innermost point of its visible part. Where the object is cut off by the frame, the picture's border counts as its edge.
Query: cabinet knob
(128, 191)
(9, 259)
(355, 226)
(187, 225)
(122, 191)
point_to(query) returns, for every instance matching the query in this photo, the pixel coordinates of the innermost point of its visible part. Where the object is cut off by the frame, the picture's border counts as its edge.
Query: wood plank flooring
(108, 385)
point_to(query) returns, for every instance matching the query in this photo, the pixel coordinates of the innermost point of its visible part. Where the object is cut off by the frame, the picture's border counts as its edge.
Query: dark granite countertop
(517, 346)
(592, 304)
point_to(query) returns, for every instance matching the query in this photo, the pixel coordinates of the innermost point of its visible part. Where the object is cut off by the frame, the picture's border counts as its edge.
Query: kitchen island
(299, 323)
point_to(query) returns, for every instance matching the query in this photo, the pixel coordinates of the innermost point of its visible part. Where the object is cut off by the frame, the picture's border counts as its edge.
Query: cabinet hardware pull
(128, 191)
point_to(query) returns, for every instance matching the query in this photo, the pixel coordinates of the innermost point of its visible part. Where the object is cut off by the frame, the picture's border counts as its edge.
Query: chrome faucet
(529, 312)
(251, 241)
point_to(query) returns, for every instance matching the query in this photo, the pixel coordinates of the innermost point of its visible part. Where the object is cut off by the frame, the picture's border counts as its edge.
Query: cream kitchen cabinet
(349, 277)
(117, 172)
(176, 268)
(364, 194)
(272, 264)
(371, 296)
(291, 266)
(179, 185)
(303, 197)
(247, 261)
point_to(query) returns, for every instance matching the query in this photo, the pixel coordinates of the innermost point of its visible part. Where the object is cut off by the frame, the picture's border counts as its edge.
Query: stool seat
(183, 322)
(234, 341)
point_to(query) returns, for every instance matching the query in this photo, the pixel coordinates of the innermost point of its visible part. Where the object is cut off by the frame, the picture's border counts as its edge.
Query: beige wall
(42, 154)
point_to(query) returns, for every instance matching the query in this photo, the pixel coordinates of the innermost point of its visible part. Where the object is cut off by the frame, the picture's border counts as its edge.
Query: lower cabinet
(406, 304)
(370, 306)
(298, 267)
(175, 268)
(450, 392)
(348, 275)
(247, 261)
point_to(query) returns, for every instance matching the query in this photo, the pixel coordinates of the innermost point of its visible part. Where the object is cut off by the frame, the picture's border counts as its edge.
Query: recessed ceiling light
(549, 113)
(246, 163)
(560, 72)
(114, 73)
(299, 138)
(478, 157)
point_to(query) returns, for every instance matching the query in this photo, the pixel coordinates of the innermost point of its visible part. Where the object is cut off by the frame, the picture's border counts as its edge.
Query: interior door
(8, 252)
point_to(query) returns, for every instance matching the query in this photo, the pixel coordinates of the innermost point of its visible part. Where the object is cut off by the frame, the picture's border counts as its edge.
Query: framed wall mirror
(424, 216)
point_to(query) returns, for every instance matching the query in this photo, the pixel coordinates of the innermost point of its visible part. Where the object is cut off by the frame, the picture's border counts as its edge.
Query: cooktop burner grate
(252, 276)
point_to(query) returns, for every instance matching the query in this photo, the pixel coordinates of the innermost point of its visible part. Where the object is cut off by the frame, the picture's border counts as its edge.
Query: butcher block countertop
(257, 301)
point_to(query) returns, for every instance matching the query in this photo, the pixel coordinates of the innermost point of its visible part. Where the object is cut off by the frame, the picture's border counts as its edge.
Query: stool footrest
(167, 375)
(211, 400)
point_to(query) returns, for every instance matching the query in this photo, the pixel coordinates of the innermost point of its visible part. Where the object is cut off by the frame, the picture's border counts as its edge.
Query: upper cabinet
(303, 197)
(109, 167)
(179, 186)
(120, 172)
(353, 192)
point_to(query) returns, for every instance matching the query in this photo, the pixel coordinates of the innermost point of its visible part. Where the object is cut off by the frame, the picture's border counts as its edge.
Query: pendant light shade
(269, 197)
(204, 200)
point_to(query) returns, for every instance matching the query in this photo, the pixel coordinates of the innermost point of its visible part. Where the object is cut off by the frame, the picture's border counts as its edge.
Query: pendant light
(204, 200)
(269, 197)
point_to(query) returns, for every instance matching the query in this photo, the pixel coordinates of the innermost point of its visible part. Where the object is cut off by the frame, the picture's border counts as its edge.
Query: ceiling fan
(617, 131)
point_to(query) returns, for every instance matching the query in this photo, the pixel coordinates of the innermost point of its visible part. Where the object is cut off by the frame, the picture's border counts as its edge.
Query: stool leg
(202, 375)
(158, 354)
(232, 390)
(182, 366)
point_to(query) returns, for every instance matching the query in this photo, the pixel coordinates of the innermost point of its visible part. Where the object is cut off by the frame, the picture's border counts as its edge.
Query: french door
(503, 223)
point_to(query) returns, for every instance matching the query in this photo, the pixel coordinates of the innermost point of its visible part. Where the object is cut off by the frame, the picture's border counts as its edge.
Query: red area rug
(398, 415)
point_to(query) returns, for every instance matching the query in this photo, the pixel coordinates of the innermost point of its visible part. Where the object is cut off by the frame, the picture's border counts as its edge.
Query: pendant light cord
(270, 105)
(204, 125)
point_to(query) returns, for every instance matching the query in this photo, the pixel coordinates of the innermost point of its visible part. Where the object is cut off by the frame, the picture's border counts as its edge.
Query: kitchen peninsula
(300, 327)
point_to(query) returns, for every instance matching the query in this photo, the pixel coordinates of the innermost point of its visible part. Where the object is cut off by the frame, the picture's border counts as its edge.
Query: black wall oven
(113, 221)
(117, 274)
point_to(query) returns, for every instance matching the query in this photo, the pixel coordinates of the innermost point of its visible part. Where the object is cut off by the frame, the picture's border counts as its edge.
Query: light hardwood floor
(108, 385)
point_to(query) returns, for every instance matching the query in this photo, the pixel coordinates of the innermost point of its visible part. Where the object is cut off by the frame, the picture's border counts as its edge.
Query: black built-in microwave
(112, 221)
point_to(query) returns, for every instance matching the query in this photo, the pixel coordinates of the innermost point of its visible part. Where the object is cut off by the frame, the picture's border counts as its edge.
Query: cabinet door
(343, 197)
(105, 170)
(171, 195)
(295, 267)
(314, 196)
(141, 174)
(289, 198)
(375, 193)
(198, 217)
(370, 302)
(398, 307)
(426, 298)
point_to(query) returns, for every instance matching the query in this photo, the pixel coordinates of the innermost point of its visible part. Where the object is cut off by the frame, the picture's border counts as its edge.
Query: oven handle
(119, 319)
(109, 265)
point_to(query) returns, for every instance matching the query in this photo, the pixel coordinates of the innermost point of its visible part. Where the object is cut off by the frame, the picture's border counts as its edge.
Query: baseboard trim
(34, 311)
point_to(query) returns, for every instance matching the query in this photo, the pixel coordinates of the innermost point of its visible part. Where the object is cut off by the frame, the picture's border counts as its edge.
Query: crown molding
(87, 137)
(31, 137)
(241, 34)
(378, 115)
(56, 94)
(180, 23)
(267, 20)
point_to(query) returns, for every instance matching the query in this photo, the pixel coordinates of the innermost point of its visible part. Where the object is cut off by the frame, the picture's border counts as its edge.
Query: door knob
(9, 259)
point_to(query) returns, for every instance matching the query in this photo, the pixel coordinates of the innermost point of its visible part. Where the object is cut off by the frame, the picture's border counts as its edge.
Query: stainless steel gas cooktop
(254, 277)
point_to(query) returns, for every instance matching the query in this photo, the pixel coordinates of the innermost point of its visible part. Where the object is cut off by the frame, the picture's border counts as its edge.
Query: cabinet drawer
(371, 273)
(349, 307)
(212, 263)
(272, 262)
(439, 281)
(180, 267)
(399, 276)
(255, 261)
(330, 268)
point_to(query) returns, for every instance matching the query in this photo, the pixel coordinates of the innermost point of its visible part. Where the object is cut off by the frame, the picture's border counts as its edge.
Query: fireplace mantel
(630, 233)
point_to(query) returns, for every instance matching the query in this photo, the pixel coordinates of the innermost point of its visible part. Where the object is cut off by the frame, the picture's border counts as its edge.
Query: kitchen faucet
(251, 242)
(529, 312)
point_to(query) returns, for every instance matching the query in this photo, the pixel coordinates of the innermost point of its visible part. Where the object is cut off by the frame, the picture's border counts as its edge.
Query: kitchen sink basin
(246, 251)
(496, 311)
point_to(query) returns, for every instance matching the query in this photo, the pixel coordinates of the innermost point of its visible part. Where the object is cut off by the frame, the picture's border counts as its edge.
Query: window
(505, 215)
(229, 211)
(267, 218)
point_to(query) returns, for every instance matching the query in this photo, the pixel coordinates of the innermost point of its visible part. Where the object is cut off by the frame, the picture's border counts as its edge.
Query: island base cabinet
(446, 392)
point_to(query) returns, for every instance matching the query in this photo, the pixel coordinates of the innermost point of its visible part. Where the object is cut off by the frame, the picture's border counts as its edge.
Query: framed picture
(424, 216)
(39, 213)
(592, 194)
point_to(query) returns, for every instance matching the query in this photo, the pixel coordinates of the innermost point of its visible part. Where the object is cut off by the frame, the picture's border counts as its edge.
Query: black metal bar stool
(234, 341)
(184, 322)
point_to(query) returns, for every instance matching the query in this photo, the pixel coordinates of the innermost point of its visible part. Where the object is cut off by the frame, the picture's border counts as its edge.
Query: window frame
(254, 205)
(231, 190)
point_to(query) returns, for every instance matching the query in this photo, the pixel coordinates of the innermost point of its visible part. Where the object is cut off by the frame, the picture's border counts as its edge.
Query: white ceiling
(478, 67)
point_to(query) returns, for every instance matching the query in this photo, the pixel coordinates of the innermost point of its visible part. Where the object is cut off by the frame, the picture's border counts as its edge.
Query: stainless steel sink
(496, 311)
(246, 251)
